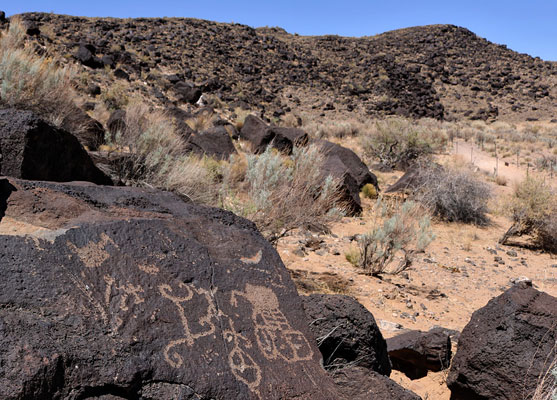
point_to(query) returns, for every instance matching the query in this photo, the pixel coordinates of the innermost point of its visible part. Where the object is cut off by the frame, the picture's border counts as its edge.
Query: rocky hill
(440, 71)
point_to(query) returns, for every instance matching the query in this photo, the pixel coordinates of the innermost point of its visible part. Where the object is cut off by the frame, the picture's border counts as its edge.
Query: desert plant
(149, 152)
(397, 142)
(369, 191)
(533, 210)
(35, 83)
(390, 248)
(289, 192)
(546, 388)
(454, 195)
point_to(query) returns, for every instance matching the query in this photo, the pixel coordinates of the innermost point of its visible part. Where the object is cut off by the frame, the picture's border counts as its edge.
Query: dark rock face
(349, 189)
(129, 293)
(354, 165)
(260, 135)
(346, 332)
(255, 131)
(33, 149)
(187, 93)
(116, 121)
(358, 383)
(86, 56)
(88, 131)
(214, 142)
(505, 347)
(345, 165)
(415, 352)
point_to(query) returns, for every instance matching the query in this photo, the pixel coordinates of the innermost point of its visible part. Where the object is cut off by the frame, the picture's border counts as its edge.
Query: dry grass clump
(547, 382)
(286, 193)
(391, 247)
(35, 83)
(533, 209)
(398, 142)
(150, 153)
(454, 195)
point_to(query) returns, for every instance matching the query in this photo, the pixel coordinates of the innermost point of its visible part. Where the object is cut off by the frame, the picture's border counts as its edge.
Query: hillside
(439, 71)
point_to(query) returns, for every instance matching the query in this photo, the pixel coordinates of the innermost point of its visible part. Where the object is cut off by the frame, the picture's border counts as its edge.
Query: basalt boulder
(116, 292)
(346, 333)
(214, 142)
(416, 352)
(358, 383)
(31, 148)
(506, 347)
(261, 136)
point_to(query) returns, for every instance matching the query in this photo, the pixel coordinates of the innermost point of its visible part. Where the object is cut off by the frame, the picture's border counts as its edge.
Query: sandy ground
(459, 273)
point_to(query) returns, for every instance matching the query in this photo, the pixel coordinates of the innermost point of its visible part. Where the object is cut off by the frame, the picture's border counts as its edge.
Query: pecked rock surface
(127, 293)
(506, 347)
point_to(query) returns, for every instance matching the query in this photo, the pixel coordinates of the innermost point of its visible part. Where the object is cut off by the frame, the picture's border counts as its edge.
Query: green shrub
(369, 191)
(390, 248)
(398, 142)
(533, 209)
(286, 193)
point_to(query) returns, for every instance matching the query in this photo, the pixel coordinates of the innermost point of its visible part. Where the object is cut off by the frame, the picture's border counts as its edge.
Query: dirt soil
(459, 273)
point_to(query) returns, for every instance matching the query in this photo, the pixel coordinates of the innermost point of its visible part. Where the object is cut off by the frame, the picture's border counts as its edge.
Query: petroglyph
(242, 365)
(93, 254)
(274, 335)
(151, 269)
(171, 354)
(129, 295)
(253, 260)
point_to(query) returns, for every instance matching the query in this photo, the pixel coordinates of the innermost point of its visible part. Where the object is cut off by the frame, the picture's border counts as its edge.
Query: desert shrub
(148, 152)
(369, 191)
(547, 383)
(454, 195)
(533, 210)
(289, 192)
(115, 97)
(35, 83)
(390, 248)
(398, 142)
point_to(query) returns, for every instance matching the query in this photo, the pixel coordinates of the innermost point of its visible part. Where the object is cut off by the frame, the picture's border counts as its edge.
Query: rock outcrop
(358, 383)
(261, 136)
(30, 148)
(125, 293)
(346, 333)
(506, 347)
(415, 352)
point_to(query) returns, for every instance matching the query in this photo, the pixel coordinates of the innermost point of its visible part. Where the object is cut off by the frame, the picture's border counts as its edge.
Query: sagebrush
(391, 247)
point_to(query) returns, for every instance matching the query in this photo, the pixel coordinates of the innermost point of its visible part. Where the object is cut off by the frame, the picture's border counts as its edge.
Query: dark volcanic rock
(187, 93)
(87, 130)
(358, 383)
(506, 347)
(346, 332)
(85, 55)
(257, 133)
(129, 293)
(353, 164)
(214, 142)
(116, 121)
(415, 352)
(30, 148)
(349, 189)
(260, 135)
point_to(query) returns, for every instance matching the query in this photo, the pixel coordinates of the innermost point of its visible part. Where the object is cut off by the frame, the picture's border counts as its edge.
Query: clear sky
(527, 26)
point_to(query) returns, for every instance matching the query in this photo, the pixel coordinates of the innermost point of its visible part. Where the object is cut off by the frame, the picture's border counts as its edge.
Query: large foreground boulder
(506, 347)
(120, 293)
(30, 148)
(346, 333)
(358, 383)
(416, 352)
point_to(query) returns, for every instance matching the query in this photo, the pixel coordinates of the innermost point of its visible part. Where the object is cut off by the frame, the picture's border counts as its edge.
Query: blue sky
(527, 26)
